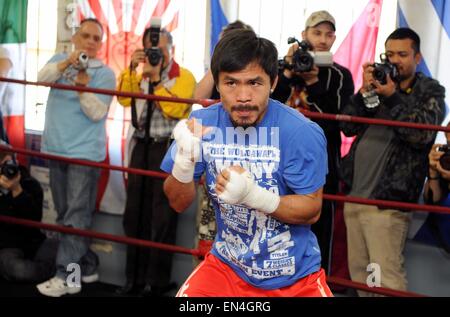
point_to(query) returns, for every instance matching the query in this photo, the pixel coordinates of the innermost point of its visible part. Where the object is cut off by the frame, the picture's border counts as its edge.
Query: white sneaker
(90, 278)
(56, 287)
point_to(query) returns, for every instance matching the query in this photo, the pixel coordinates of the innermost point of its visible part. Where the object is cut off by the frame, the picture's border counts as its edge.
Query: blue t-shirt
(68, 131)
(286, 154)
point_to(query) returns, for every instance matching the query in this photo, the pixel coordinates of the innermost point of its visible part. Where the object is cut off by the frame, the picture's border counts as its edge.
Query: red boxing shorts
(213, 278)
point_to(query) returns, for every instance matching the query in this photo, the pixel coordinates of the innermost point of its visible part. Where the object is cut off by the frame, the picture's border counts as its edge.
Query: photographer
(147, 211)
(75, 128)
(388, 163)
(437, 192)
(437, 184)
(20, 197)
(322, 89)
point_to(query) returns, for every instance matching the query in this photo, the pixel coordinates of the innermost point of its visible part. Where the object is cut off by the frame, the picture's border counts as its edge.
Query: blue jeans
(74, 191)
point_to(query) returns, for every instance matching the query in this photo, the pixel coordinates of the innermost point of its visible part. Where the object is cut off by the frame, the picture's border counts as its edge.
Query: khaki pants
(376, 236)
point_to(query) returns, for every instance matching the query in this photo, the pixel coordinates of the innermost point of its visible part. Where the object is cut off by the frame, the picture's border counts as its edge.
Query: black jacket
(405, 171)
(27, 205)
(328, 95)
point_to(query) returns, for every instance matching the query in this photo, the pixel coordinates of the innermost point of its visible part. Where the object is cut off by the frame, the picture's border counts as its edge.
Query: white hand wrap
(188, 152)
(241, 189)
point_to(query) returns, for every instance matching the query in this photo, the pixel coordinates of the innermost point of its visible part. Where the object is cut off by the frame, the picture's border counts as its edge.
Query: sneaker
(90, 278)
(89, 264)
(56, 287)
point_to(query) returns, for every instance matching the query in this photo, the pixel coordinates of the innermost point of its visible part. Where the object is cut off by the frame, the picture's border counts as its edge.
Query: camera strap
(150, 108)
(134, 120)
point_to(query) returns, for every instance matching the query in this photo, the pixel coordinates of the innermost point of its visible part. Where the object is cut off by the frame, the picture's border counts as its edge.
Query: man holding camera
(75, 128)
(436, 187)
(20, 197)
(147, 212)
(326, 88)
(388, 163)
(436, 192)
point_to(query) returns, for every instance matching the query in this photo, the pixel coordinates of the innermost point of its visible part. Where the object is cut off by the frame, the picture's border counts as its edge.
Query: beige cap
(318, 17)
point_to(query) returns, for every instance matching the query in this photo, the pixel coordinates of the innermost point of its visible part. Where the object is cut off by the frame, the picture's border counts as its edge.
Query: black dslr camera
(10, 169)
(304, 59)
(445, 159)
(383, 69)
(154, 54)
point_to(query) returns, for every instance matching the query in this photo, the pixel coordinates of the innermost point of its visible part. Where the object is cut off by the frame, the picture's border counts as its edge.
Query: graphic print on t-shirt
(284, 153)
(248, 233)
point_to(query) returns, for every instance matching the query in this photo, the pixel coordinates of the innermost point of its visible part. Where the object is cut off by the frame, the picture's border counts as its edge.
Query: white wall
(277, 20)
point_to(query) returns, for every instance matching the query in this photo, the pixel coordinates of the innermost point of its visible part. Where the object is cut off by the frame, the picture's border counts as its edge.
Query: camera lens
(379, 75)
(83, 61)
(9, 169)
(83, 57)
(303, 61)
(154, 55)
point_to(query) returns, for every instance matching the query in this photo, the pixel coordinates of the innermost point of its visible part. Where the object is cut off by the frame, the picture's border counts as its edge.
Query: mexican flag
(13, 31)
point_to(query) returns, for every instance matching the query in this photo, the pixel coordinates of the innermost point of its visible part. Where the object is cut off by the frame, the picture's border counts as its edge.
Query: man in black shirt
(324, 89)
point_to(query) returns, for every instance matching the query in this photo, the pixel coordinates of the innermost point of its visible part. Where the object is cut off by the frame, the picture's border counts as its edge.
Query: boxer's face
(245, 94)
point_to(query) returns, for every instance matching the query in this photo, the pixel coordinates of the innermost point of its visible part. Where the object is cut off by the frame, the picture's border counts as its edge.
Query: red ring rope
(99, 235)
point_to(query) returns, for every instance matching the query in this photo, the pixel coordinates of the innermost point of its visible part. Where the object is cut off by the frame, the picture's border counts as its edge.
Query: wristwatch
(370, 99)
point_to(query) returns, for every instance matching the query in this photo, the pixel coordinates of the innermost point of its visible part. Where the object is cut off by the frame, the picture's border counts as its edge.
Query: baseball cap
(318, 17)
